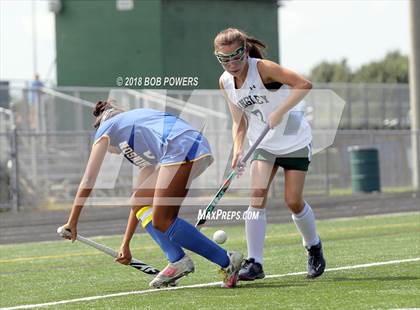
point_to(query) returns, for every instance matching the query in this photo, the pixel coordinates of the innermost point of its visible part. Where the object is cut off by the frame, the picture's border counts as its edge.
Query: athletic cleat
(316, 261)
(174, 283)
(230, 273)
(173, 272)
(251, 270)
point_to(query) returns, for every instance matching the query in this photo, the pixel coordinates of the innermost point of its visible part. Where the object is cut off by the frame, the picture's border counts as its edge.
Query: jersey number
(259, 114)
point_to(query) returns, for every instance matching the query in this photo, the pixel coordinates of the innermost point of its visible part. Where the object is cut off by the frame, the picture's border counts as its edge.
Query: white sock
(305, 223)
(255, 234)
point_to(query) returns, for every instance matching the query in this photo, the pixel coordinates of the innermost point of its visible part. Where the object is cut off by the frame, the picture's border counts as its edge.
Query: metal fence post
(383, 104)
(366, 105)
(327, 172)
(78, 112)
(348, 101)
(400, 108)
(14, 176)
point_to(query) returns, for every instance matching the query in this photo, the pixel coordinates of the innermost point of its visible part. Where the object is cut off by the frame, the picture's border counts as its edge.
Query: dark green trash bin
(364, 164)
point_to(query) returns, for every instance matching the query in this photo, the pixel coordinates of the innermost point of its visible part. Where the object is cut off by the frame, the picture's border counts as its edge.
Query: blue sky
(310, 31)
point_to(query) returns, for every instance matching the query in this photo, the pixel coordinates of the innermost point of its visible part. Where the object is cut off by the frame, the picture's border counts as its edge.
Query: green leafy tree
(327, 72)
(392, 69)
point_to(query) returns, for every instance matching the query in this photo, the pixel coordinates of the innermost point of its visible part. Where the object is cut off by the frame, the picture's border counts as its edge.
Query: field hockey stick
(135, 263)
(222, 190)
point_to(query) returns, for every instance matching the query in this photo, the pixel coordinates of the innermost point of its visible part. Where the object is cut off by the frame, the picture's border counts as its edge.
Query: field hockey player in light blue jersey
(169, 154)
(245, 78)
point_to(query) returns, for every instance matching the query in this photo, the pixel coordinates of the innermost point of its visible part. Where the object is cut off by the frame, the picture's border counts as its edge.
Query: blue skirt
(190, 146)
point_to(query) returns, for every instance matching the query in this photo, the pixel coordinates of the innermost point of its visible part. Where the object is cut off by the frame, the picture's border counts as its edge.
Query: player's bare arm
(96, 158)
(272, 72)
(239, 128)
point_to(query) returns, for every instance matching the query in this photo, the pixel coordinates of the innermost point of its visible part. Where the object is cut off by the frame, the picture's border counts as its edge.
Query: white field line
(68, 301)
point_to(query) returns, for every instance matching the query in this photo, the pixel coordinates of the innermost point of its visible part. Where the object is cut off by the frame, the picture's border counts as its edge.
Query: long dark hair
(104, 110)
(231, 35)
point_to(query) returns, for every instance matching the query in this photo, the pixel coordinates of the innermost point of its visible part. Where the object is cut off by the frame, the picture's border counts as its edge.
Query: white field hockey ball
(220, 237)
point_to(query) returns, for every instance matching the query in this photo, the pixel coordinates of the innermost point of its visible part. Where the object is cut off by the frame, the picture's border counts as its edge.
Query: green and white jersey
(257, 102)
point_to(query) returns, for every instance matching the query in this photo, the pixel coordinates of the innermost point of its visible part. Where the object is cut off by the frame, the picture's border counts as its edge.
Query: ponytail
(255, 47)
(104, 110)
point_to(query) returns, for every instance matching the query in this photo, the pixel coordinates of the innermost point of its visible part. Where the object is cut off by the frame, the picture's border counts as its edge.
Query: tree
(392, 69)
(327, 72)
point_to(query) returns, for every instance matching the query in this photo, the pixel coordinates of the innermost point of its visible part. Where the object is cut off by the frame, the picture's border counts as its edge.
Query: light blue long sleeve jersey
(150, 137)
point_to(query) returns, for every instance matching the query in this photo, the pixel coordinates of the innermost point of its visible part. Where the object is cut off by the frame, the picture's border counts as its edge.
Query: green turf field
(45, 272)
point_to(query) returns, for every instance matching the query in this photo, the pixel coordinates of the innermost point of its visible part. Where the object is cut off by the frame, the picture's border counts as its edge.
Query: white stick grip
(135, 263)
(100, 247)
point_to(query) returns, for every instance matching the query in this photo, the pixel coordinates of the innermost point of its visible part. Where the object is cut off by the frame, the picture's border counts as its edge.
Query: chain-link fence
(50, 167)
(368, 106)
(45, 143)
(6, 143)
(330, 170)
(373, 106)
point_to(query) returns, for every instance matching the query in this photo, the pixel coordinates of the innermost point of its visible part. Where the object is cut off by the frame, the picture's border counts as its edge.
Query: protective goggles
(237, 55)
